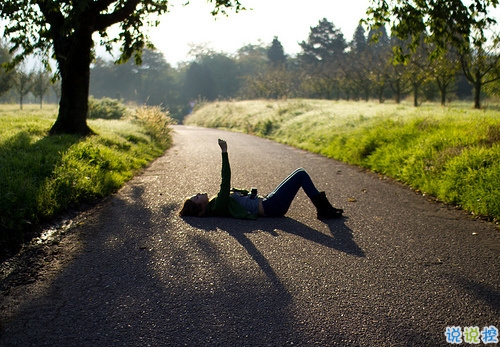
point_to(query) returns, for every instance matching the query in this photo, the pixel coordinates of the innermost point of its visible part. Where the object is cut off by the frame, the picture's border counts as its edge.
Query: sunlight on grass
(41, 175)
(450, 152)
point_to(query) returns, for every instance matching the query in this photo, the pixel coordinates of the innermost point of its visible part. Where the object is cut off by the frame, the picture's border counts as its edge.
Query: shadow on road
(341, 239)
(485, 293)
(132, 284)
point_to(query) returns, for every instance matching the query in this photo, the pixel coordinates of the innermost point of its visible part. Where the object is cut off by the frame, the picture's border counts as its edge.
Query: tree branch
(101, 5)
(51, 12)
(106, 20)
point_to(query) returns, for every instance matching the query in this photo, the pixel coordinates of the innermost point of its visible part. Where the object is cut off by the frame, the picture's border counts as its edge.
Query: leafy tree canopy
(5, 77)
(276, 53)
(63, 29)
(444, 22)
(39, 25)
(325, 42)
(359, 43)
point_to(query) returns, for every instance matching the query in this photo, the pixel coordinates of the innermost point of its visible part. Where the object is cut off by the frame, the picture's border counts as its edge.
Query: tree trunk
(443, 88)
(477, 94)
(415, 95)
(380, 98)
(74, 60)
(398, 92)
(443, 96)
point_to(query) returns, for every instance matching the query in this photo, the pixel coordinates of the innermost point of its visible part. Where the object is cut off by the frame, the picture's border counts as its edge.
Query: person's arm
(222, 200)
(225, 185)
(223, 146)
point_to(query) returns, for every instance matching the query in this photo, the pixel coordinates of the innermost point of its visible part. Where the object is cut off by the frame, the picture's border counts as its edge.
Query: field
(42, 175)
(451, 152)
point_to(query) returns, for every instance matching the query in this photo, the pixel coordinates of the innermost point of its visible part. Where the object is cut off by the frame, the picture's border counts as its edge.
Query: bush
(106, 108)
(156, 124)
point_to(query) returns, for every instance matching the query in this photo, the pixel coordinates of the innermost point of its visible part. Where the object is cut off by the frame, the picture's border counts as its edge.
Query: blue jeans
(277, 203)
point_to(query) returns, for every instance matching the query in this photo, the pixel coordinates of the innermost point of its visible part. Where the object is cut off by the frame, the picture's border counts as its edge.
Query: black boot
(324, 208)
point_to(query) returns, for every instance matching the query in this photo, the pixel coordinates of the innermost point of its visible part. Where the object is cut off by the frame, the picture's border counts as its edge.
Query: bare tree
(41, 84)
(23, 84)
(481, 63)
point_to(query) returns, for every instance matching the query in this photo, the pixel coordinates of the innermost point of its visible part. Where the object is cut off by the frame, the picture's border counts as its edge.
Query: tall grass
(42, 175)
(450, 152)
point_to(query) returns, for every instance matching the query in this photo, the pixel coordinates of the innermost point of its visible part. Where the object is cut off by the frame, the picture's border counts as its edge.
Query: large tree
(200, 83)
(481, 66)
(64, 29)
(276, 54)
(444, 69)
(325, 43)
(379, 57)
(224, 72)
(444, 22)
(357, 70)
(322, 58)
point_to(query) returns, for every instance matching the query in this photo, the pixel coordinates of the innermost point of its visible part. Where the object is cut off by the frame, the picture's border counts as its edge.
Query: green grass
(42, 175)
(452, 153)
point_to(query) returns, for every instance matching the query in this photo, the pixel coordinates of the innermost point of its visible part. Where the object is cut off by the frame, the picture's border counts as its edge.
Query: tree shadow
(132, 283)
(486, 293)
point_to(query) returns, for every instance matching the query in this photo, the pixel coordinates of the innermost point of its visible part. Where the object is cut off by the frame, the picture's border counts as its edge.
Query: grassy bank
(452, 153)
(42, 175)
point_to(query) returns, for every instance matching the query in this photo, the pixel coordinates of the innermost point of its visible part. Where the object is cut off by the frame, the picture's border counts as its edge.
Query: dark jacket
(223, 205)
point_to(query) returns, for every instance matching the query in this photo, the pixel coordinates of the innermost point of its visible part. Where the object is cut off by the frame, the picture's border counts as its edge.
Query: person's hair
(191, 208)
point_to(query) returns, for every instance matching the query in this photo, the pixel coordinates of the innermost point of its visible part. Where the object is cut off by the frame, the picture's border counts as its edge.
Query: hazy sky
(289, 20)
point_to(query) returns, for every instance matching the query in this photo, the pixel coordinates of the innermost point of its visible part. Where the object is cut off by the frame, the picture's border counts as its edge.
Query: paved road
(396, 271)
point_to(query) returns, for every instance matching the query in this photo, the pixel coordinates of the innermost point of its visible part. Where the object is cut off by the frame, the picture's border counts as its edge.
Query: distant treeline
(370, 66)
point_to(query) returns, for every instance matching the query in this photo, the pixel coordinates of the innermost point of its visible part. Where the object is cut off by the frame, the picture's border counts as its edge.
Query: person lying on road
(239, 203)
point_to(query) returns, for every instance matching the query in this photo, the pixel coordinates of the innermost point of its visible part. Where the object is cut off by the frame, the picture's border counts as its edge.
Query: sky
(289, 20)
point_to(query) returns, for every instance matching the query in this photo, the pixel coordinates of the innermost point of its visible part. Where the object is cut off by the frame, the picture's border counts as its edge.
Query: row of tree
(23, 83)
(373, 65)
(64, 30)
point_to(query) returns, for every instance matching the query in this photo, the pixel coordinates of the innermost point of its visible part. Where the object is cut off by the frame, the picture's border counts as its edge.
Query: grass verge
(452, 153)
(42, 175)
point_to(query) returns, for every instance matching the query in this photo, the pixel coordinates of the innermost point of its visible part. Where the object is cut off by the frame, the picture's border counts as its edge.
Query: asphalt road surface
(396, 271)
